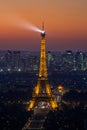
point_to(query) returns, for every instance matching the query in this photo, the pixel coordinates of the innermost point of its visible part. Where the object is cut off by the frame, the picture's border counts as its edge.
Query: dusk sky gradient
(65, 24)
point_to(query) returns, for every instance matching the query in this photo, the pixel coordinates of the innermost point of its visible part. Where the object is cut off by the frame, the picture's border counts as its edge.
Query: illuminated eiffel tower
(42, 91)
(41, 94)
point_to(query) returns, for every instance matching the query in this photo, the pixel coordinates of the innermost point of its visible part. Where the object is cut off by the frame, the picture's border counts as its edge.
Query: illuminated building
(60, 89)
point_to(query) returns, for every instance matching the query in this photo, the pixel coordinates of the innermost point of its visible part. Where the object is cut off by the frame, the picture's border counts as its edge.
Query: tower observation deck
(42, 90)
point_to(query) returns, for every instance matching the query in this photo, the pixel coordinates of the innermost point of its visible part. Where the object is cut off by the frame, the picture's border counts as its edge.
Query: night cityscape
(43, 65)
(18, 76)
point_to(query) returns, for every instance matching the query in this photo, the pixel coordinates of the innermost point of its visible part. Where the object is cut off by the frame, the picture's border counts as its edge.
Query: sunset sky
(65, 24)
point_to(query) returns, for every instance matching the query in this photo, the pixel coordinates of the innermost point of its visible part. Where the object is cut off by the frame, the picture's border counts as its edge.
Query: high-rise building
(13, 60)
(79, 60)
(67, 60)
(8, 58)
(16, 60)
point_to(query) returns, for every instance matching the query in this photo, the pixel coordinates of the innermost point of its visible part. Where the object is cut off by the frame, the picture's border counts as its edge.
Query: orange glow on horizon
(62, 19)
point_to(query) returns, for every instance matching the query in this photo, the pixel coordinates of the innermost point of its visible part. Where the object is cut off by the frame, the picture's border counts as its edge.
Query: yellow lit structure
(60, 88)
(42, 91)
(37, 90)
(53, 104)
(32, 102)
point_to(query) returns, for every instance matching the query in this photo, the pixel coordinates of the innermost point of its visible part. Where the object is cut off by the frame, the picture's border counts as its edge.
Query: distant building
(49, 58)
(16, 60)
(33, 62)
(67, 60)
(56, 61)
(13, 60)
(79, 60)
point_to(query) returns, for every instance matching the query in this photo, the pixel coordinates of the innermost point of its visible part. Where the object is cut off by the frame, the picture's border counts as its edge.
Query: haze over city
(65, 24)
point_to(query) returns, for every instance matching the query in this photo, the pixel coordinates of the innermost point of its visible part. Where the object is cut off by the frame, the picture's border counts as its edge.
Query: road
(35, 123)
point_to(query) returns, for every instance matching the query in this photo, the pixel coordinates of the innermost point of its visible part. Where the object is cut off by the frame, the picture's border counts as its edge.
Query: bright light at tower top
(43, 31)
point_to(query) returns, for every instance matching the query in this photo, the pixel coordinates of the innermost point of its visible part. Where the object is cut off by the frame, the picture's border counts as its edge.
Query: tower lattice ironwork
(42, 90)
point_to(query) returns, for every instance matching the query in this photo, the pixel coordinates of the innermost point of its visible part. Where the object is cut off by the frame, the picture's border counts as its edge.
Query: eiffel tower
(41, 93)
(42, 90)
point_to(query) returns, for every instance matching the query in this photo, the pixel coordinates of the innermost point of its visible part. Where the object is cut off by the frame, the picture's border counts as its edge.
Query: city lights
(43, 70)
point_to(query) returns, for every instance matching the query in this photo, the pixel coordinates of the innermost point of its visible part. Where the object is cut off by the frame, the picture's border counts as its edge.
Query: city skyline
(65, 24)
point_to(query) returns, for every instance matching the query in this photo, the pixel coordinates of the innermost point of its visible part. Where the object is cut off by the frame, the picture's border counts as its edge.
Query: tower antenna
(42, 25)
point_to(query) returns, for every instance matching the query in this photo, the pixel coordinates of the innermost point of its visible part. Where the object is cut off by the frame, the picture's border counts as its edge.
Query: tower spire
(42, 25)
(43, 31)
